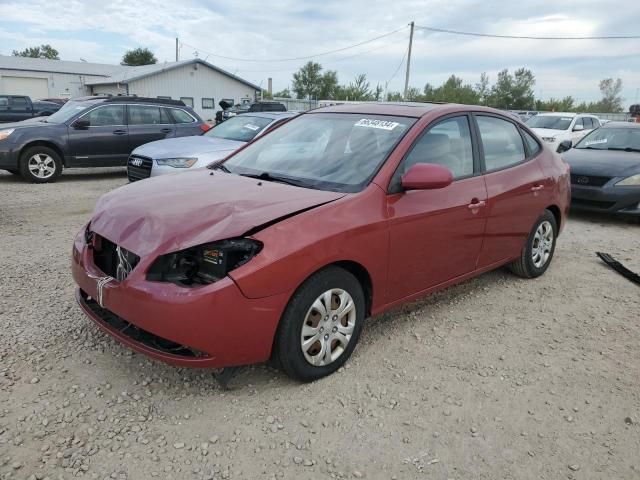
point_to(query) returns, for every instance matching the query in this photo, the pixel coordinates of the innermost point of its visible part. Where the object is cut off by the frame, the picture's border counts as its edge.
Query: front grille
(589, 181)
(138, 167)
(114, 261)
(581, 202)
(138, 334)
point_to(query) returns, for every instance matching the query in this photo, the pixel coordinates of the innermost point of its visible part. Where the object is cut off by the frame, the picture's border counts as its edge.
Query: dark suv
(254, 107)
(92, 132)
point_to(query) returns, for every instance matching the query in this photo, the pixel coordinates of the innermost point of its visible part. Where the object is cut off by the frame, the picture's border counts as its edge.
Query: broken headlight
(203, 264)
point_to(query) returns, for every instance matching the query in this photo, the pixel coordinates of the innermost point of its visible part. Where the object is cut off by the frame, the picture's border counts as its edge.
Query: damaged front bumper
(210, 326)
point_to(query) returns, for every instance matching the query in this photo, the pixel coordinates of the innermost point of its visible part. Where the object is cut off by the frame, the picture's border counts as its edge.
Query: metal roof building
(196, 82)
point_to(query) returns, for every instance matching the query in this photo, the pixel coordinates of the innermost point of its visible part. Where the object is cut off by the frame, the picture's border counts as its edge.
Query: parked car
(285, 247)
(15, 108)
(254, 107)
(179, 154)
(59, 100)
(92, 132)
(605, 170)
(554, 128)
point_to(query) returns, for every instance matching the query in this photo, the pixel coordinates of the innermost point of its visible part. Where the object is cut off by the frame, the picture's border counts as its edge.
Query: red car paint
(401, 245)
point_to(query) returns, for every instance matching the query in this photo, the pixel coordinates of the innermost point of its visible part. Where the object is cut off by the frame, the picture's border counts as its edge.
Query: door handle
(167, 130)
(119, 132)
(537, 188)
(474, 205)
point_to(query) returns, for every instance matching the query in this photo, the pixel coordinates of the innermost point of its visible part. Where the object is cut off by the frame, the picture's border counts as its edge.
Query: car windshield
(612, 139)
(553, 122)
(327, 151)
(242, 128)
(68, 110)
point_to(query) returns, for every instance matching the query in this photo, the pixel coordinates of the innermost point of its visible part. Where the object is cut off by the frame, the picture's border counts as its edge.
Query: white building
(197, 83)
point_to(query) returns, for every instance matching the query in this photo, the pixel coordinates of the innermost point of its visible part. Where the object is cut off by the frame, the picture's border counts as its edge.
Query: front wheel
(40, 165)
(538, 251)
(321, 325)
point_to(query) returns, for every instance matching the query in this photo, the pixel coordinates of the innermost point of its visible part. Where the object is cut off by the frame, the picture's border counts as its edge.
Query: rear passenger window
(181, 116)
(4, 103)
(534, 146)
(144, 115)
(448, 143)
(596, 122)
(501, 143)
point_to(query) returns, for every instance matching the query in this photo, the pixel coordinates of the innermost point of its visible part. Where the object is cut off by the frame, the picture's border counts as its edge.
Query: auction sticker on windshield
(250, 126)
(373, 123)
(596, 142)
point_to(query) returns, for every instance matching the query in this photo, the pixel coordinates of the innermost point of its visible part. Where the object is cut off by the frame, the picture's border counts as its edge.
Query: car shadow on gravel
(73, 175)
(604, 218)
(253, 378)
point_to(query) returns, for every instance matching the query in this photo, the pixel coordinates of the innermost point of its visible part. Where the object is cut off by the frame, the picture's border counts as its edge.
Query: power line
(525, 37)
(398, 68)
(295, 58)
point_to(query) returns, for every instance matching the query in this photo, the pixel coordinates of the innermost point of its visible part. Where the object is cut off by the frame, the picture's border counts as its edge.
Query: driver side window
(448, 143)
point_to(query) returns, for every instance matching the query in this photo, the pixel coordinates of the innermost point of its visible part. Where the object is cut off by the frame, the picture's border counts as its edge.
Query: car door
(148, 123)
(436, 235)
(4, 109)
(576, 135)
(186, 124)
(19, 109)
(102, 142)
(517, 187)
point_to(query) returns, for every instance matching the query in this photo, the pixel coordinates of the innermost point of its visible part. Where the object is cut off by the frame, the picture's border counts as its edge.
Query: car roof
(621, 125)
(402, 109)
(130, 99)
(273, 115)
(557, 114)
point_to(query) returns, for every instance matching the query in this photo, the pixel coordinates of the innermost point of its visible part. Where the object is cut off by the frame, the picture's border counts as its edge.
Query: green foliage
(43, 51)
(611, 100)
(285, 93)
(138, 56)
(452, 90)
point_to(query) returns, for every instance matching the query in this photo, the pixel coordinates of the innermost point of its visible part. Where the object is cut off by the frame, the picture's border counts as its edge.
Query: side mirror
(578, 128)
(81, 124)
(564, 146)
(426, 176)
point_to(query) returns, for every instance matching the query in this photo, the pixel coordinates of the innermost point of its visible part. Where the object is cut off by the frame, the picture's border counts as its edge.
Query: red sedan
(284, 249)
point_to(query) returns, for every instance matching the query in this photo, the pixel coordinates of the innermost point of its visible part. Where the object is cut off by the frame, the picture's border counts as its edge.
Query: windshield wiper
(625, 149)
(219, 166)
(274, 178)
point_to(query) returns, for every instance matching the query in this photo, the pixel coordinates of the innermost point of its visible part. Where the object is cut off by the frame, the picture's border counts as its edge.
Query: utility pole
(406, 78)
(177, 54)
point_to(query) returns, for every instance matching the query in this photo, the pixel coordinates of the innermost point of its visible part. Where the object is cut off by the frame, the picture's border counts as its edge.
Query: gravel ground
(497, 378)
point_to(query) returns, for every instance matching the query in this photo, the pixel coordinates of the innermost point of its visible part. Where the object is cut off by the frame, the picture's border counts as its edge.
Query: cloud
(101, 31)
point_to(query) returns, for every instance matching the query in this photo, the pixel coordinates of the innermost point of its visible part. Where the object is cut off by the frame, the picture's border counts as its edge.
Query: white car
(554, 128)
(174, 155)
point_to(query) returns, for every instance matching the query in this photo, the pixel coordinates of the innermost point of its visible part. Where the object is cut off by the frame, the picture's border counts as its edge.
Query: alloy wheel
(42, 166)
(542, 244)
(328, 327)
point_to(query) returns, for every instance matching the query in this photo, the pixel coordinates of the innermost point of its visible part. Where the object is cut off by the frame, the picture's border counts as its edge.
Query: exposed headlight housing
(177, 162)
(549, 139)
(203, 264)
(6, 132)
(632, 181)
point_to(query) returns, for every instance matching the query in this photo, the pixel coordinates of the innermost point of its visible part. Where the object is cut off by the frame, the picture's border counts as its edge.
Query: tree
(43, 51)
(611, 100)
(138, 56)
(482, 89)
(413, 95)
(358, 90)
(452, 90)
(285, 93)
(556, 105)
(307, 81)
(328, 85)
(522, 96)
(394, 97)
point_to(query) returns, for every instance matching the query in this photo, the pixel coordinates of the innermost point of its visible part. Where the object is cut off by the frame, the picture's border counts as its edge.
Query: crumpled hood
(186, 147)
(166, 214)
(604, 163)
(549, 132)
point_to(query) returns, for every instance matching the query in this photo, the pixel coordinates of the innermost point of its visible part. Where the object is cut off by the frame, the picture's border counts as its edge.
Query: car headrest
(431, 146)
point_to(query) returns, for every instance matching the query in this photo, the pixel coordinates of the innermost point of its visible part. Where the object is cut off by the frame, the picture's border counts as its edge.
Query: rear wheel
(538, 251)
(321, 325)
(40, 165)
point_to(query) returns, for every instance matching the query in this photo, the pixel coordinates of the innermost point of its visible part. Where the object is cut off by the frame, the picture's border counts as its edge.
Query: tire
(33, 157)
(536, 256)
(290, 352)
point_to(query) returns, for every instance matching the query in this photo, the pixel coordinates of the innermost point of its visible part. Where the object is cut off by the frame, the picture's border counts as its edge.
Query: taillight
(205, 127)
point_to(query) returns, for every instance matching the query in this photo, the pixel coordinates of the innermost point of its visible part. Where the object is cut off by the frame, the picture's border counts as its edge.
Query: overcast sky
(101, 31)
